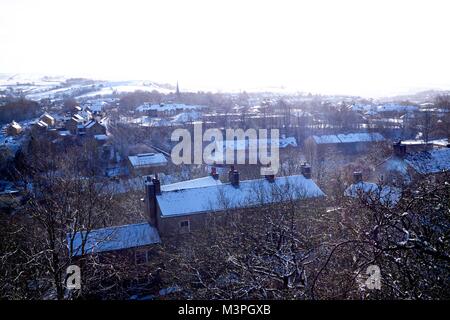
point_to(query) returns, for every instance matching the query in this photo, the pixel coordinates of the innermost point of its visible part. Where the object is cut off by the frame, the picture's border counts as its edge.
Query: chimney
(357, 177)
(306, 170)
(150, 200)
(230, 173)
(214, 173)
(157, 184)
(399, 149)
(235, 178)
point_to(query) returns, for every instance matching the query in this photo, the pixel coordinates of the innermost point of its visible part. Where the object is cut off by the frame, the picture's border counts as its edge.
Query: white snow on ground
(124, 87)
(37, 87)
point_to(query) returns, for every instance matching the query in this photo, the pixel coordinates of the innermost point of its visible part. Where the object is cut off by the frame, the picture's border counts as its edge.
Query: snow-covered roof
(437, 142)
(324, 139)
(282, 142)
(64, 133)
(186, 117)
(46, 115)
(101, 137)
(348, 138)
(385, 194)
(249, 193)
(42, 124)
(15, 125)
(189, 184)
(77, 119)
(148, 159)
(90, 124)
(114, 238)
(387, 107)
(168, 107)
(427, 162)
(289, 141)
(360, 137)
(440, 142)
(396, 164)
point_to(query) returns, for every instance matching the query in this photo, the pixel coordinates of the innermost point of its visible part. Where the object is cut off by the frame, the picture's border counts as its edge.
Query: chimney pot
(306, 170)
(235, 178)
(399, 149)
(214, 173)
(357, 177)
(157, 184)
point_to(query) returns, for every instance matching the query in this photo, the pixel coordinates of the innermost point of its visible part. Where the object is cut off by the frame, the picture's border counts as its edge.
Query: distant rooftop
(282, 142)
(148, 160)
(168, 107)
(427, 162)
(194, 183)
(101, 137)
(115, 238)
(348, 138)
(384, 194)
(249, 193)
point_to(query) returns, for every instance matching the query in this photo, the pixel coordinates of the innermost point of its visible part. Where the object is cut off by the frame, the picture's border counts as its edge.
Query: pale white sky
(352, 47)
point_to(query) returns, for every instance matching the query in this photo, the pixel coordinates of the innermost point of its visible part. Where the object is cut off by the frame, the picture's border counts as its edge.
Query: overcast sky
(351, 47)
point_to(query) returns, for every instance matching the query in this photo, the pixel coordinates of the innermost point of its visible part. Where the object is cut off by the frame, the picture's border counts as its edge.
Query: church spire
(178, 90)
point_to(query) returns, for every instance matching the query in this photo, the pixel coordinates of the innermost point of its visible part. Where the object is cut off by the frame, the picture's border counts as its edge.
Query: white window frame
(141, 251)
(188, 227)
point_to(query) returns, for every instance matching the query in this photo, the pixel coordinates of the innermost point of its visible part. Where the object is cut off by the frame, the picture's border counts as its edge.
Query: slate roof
(225, 196)
(115, 238)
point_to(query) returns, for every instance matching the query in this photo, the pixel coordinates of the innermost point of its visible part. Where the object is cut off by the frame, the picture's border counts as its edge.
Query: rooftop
(385, 194)
(148, 160)
(426, 162)
(168, 107)
(194, 183)
(348, 138)
(115, 238)
(46, 115)
(101, 137)
(249, 193)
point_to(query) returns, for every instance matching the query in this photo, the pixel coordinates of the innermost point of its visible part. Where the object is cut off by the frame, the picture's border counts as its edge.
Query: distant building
(189, 205)
(146, 163)
(94, 128)
(134, 242)
(403, 167)
(14, 129)
(318, 148)
(74, 124)
(249, 147)
(48, 119)
(167, 110)
(372, 192)
(39, 127)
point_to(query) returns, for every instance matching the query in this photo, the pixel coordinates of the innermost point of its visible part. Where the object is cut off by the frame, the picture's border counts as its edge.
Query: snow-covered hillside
(37, 87)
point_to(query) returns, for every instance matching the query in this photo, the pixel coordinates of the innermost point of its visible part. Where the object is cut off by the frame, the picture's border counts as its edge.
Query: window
(142, 256)
(185, 226)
